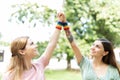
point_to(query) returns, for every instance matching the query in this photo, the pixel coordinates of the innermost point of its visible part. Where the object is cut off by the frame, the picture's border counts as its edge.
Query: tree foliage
(63, 48)
(41, 47)
(32, 13)
(92, 19)
(89, 20)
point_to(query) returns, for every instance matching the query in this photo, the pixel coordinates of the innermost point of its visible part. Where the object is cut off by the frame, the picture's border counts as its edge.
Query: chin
(36, 54)
(92, 54)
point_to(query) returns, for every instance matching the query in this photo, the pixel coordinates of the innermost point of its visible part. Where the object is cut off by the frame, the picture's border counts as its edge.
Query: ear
(21, 52)
(106, 53)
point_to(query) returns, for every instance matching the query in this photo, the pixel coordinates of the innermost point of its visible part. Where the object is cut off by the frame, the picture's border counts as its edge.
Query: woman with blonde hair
(23, 51)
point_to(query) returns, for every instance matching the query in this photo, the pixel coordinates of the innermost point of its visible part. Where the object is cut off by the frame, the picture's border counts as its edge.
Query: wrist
(62, 23)
(65, 26)
(59, 25)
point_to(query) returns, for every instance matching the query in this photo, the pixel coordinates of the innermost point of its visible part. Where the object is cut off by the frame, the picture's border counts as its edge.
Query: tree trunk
(68, 61)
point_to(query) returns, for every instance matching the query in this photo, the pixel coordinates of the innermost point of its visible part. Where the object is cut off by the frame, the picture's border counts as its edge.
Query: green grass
(62, 75)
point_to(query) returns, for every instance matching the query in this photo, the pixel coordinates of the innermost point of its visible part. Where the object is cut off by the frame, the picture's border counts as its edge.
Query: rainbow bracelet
(66, 27)
(62, 23)
(59, 26)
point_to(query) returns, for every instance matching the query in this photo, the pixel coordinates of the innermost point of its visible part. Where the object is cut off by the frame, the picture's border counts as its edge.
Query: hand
(61, 17)
(62, 21)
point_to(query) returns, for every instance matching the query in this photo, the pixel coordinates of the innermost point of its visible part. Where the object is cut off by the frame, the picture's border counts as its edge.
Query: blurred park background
(89, 20)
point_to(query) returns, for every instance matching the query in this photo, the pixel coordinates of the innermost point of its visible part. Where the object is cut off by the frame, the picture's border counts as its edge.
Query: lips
(92, 52)
(36, 51)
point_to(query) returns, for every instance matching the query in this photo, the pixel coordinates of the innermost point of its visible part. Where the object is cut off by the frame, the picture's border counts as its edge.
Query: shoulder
(85, 62)
(111, 68)
(37, 64)
(113, 71)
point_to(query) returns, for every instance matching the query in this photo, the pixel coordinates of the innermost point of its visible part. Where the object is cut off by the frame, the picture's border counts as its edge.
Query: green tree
(32, 13)
(41, 47)
(63, 48)
(89, 20)
(3, 43)
(94, 17)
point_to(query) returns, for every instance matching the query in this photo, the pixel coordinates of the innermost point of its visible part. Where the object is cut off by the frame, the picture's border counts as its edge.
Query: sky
(10, 31)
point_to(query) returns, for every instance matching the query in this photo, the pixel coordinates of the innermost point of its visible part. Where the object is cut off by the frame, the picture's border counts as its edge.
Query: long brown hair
(17, 64)
(110, 57)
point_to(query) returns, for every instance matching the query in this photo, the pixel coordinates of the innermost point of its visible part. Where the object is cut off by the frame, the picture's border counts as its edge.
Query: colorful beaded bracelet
(62, 23)
(66, 27)
(59, 27)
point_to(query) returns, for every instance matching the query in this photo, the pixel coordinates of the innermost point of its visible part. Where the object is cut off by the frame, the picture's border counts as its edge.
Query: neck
(97, 62)
(28, 64)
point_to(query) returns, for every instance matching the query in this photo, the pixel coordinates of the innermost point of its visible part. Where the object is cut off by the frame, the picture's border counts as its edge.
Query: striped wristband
(59, 25)
(66, 27)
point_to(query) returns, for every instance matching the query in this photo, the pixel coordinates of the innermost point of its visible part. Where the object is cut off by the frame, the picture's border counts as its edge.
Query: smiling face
(23, 47)
(97, 49)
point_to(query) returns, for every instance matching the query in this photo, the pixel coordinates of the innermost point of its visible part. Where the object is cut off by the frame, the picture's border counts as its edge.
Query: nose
(36, 46)
(92, 47)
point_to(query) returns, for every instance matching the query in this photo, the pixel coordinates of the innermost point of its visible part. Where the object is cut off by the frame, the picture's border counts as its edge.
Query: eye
(31, 43)
(97, 46)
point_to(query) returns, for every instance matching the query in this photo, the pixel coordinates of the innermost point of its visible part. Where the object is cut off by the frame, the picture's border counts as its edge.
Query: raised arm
(74, 46)
(52, 43)
(70, 38)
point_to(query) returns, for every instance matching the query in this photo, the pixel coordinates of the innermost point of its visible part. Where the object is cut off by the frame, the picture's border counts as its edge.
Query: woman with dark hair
(103, 64)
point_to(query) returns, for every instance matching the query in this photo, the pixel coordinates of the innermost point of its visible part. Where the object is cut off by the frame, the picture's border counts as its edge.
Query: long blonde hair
(17, 64)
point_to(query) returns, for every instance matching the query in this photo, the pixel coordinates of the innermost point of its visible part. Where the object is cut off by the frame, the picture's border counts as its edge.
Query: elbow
(47, 62)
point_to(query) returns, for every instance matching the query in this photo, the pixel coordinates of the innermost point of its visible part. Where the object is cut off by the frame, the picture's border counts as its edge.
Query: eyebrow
(97, 45)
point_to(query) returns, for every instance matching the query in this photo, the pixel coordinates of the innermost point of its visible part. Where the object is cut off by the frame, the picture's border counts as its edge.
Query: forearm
(53, 41)
(51, 46)
(54, 38)
(74, 46)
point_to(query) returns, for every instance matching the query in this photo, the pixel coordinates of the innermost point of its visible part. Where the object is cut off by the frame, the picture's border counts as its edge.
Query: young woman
(23, 51)
(103, 65)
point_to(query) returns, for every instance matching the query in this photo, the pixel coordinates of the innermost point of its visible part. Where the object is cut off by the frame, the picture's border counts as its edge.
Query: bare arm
(50, 47)
(70, 38)
(74, 46)
(52, 43)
